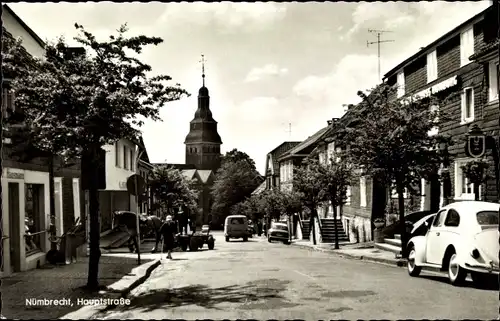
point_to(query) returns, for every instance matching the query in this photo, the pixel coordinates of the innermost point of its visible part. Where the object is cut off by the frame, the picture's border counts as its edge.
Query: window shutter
(493, 81)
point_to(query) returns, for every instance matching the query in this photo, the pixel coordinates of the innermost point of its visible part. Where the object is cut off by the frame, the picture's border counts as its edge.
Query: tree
(172, 189)
(272, 204)
(290, 205)
(235, 155)
(390, 140)
(476, 172)
(307, 181)
(83, 102)
(234, 182)
(336, 176)
(250, 207)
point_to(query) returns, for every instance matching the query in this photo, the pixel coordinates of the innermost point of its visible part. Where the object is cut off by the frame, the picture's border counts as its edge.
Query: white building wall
(23, 177)
(30, 44)
(116, 177)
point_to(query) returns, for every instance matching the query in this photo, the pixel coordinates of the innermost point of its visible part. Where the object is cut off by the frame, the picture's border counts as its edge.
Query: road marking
(308, 276)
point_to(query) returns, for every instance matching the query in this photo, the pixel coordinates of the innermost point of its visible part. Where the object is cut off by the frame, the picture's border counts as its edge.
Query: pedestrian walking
(259, 227)
(168, 231)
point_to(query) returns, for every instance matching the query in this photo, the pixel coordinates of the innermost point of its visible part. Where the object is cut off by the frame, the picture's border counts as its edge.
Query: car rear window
(237, 220)
(281, 227)
(487, 217)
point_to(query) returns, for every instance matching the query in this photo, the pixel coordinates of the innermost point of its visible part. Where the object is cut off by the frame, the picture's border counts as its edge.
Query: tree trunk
(95, 231)
(313, 225)
(335, 225)
(52, 204)
(402, 225)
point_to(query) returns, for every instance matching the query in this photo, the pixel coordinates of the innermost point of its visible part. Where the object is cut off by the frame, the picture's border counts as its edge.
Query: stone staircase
(328, 231)
(305, 229)
(390, 245)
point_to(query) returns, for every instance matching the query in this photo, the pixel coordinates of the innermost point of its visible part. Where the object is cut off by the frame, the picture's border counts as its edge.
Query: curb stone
(397, 262)
(88, 312)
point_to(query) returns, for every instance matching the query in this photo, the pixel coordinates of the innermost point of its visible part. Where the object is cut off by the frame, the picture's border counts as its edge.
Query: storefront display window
(33, 227)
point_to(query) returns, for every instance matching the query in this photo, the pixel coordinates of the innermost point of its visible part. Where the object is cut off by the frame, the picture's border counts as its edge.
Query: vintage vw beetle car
(463, 238)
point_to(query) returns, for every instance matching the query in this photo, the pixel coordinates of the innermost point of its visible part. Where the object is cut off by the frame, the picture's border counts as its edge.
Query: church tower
(203, 141)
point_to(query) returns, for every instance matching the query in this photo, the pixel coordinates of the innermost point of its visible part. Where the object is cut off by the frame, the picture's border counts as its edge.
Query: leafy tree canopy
(234, 182)
(236, 155)
(337, 174)
(391, 138)
(172, 189)
(308, 183)
(72, 102)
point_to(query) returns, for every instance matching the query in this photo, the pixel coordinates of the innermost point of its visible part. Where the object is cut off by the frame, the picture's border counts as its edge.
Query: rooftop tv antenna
(289, 131)
(378, 42)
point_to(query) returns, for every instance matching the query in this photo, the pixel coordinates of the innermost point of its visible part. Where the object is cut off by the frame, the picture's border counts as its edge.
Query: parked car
(410, 220)
(421, 227)
(236, 226)
(278, 231)
(462, 239)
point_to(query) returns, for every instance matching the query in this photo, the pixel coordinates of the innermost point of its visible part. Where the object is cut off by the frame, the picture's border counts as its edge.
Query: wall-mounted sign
(14, 175)
(476, 142)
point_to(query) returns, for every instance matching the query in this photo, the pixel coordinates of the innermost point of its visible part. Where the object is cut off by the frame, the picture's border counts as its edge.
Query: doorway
(14, 227)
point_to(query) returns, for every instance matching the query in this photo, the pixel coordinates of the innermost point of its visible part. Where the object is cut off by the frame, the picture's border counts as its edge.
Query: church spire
(203, 68)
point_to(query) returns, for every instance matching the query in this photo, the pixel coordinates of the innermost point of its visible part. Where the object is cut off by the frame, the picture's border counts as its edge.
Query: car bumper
(237, 234)
(482, 268)
(279, 237)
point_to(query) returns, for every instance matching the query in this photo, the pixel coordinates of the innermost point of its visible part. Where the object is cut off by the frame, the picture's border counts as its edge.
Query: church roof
(189, 173)
(204, 174)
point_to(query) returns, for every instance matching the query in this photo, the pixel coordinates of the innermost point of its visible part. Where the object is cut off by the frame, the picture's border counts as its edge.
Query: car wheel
(227, 238)
(269, 240)
(245, 239)
(413, 269)
(456, 273)
(211, 244)
(184, 247)
(286, 242)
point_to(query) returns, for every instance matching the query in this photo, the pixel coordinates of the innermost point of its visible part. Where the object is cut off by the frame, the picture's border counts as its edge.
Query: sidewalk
(359, 251)
(118, 272)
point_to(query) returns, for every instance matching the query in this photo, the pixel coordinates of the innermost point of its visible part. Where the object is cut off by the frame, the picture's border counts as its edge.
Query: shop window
(34, 230)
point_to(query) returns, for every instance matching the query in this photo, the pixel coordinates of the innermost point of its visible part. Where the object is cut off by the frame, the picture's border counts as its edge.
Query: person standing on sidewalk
(168, 230)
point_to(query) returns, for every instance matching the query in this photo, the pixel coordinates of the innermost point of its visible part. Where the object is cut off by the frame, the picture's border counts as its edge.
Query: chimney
(329, 122)
(72, 52)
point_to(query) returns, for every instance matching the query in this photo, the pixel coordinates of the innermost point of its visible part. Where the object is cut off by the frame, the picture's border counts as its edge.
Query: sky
(275, 71)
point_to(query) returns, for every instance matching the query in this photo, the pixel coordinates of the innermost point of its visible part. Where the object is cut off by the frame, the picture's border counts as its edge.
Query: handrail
(36, 233)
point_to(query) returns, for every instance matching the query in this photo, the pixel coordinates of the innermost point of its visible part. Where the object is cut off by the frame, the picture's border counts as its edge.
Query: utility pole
(378, 42)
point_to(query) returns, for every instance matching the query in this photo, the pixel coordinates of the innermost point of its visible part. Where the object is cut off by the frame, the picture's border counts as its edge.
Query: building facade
(273, 170)
(446, 68)
(25, 182)
(121, 163)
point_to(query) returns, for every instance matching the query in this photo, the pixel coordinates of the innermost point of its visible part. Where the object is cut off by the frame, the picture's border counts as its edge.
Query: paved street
(268, 281)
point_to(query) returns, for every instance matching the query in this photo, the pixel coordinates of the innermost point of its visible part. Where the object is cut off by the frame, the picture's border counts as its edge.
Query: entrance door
(14, 228)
